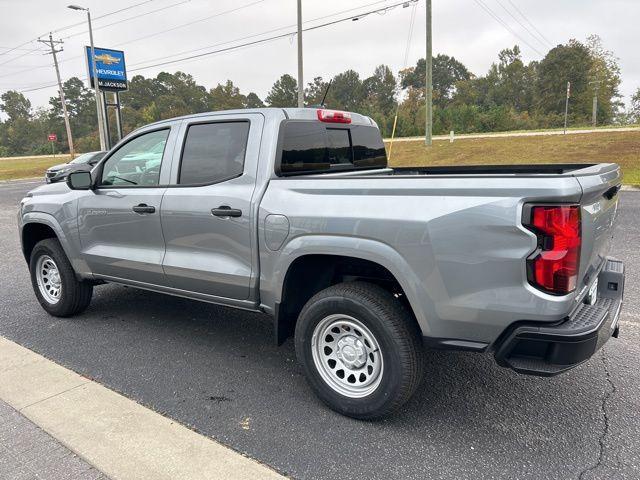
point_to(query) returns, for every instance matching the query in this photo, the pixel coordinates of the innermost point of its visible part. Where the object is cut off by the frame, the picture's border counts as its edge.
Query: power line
(506, 26)
(264, 40)
(533, 35)
(129, 18)
(77, 24)
(529, 22)
(22, 55)
(248, 44)
(230, 41)
(146, 36)
(219, 14)
(219, 44)
(18, 47)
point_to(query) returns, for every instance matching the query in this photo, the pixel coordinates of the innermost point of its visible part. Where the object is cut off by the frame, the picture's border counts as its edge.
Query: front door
(119, 221)
(206, 218)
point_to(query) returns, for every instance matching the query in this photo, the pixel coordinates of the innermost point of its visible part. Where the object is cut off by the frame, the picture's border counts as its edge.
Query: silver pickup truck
(294, 212)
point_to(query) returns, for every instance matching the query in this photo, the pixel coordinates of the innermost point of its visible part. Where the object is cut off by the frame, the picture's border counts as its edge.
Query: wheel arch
(312, 263)
(37, 226)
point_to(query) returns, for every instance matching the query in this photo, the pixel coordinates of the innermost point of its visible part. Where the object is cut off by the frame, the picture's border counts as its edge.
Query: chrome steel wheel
(48, 278)
(347, 356)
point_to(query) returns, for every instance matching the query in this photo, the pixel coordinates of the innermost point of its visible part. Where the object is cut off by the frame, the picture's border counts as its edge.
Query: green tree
(604, 79)
(226, 97)
(565, 63)
(634, 111)
(23, 132)
(283, 93)
(379, 90)
(346, 92)
(253, 101)
(314, 93)
(447, 72)
(15, 105)
(81, 106)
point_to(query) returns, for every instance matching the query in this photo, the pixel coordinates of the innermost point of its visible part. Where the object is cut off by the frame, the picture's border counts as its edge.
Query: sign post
(111, 74)
(566, 107)
(53, 138)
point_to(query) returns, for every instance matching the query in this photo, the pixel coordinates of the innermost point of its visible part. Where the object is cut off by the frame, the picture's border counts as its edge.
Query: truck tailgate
(599, 205)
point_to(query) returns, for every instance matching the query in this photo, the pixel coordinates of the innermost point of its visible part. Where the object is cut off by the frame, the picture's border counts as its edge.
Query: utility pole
(300, 79)
(96, 87)
(594, 113)
(51, 43)
(566, 107)
(428, 80)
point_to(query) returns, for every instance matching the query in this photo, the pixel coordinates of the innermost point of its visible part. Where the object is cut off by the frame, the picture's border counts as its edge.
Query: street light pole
(428, 80)
(300, 80)
(96, 87)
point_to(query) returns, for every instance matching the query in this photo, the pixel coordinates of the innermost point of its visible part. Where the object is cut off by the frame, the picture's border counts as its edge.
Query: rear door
(207, 216)
(119, 221)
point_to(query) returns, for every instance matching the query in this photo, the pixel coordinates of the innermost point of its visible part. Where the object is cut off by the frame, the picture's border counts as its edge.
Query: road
(540, 133)
(217, 371)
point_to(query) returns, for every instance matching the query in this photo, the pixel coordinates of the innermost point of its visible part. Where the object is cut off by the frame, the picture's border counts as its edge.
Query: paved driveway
(216, 370)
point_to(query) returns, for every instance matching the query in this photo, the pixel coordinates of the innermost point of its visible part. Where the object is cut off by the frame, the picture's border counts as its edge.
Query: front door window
(137, 162)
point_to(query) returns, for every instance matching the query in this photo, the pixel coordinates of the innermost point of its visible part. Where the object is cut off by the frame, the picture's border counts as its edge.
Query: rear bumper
(546, 350)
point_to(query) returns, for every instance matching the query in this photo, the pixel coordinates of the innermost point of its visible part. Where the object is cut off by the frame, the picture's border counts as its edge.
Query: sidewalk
(27, 452)
(119, 437)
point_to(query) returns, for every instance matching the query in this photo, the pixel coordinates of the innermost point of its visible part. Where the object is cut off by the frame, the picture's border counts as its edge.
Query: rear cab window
(316, 147)
(213, 152)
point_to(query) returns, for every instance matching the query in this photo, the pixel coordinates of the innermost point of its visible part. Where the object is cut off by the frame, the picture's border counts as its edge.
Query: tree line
(512, 95)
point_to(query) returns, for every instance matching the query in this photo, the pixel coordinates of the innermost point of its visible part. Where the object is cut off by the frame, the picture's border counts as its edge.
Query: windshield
(84, 158)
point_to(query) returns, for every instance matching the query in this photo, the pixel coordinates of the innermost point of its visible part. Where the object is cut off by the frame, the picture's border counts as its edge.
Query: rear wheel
(54, 281)
(360, 349)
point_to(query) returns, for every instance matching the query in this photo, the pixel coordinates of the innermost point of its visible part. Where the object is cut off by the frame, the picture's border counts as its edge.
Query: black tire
(393, 327)
(75, 295)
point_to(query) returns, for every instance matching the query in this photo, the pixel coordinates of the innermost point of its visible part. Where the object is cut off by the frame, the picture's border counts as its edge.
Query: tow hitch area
(535, 349)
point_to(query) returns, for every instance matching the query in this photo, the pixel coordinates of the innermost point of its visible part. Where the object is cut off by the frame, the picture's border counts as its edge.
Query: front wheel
(54, 281)
(360, 349)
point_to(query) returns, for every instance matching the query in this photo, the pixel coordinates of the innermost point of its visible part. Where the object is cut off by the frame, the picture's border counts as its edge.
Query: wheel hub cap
(351, 351)
(48, 279)
(347, 355)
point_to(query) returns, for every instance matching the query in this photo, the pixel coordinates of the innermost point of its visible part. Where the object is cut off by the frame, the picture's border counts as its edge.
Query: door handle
(226, 211)
(144, 208)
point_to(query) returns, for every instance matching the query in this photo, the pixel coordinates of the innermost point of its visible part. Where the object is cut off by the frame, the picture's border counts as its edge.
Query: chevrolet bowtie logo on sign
(109, 68)
(107, 59)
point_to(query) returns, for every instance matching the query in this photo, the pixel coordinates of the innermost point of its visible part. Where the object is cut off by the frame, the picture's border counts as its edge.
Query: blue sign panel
(110, 67)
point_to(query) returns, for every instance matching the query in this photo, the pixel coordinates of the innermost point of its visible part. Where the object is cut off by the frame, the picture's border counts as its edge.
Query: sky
(473, 31)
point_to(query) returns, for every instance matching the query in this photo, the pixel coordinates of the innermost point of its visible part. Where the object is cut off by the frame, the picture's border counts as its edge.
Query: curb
(116, 435)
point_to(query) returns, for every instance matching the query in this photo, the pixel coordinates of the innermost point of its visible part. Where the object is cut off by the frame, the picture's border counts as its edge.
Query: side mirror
(79, 181)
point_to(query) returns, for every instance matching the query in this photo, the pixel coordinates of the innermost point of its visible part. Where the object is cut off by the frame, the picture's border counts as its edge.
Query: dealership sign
(110, 68)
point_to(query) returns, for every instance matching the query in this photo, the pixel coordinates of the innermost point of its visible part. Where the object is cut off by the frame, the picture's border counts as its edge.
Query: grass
(617, 147)
(28, 167)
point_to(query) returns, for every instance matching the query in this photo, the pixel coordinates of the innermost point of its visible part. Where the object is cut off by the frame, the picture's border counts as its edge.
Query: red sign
(52, 137)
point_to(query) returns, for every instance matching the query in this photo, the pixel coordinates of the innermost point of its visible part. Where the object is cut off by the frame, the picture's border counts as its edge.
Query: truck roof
(308, 113)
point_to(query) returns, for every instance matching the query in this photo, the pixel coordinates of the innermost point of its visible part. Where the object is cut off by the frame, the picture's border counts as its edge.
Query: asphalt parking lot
(216, 370)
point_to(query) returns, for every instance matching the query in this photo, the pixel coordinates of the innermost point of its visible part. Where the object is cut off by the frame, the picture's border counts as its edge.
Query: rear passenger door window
(213, 152)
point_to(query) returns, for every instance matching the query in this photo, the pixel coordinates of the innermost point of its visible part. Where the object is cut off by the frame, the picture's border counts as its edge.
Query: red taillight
(333, 116)
(555, 264)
